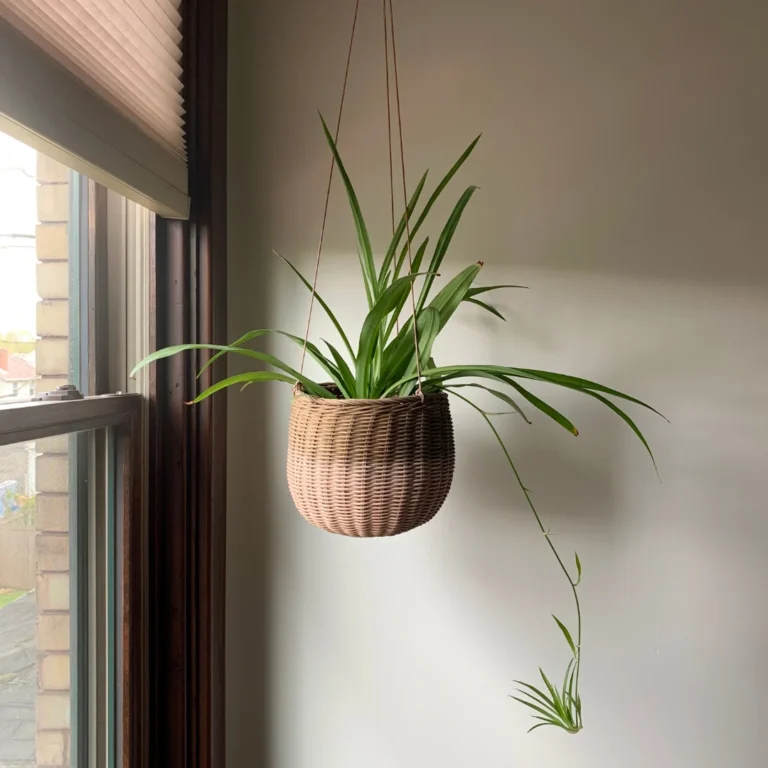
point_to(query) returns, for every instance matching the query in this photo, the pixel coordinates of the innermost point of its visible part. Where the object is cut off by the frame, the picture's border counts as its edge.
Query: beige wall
(623, 171)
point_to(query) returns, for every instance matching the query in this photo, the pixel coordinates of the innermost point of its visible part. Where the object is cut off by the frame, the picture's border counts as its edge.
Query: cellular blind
(98, 85)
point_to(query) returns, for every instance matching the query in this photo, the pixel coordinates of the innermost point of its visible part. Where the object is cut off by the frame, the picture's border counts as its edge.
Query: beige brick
(52, 512)
(53, 592)
(53, 317)
(53, 672)
(53, 279)
(52, 357)
(52, 748)
(53, 202)
(53, 632)
(52, 474)
(57, 444)
(47, 383)
(52, 551)
(51, 170)
(53, 711)
(52, 242)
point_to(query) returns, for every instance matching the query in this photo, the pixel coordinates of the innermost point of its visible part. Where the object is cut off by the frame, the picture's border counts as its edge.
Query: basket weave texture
(370, 467)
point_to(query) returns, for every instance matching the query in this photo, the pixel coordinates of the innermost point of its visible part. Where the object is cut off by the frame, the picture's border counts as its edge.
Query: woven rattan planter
(370, 467)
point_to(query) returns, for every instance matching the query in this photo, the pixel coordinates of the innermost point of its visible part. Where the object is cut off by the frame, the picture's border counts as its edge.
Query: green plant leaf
(487, 308)
(434, 197)
(241, 378)
(578, 568)
(566, 633)
(398, 310)
(530, 705)
(427, 329)
(398, 236)
(500, 395)
(312, 350)
(312, 387)
(574, 382)
(553, 413)
(369, 334)
(400, 355)
(545, 723)
(536, 693)
(443, 243)
(365, 251)
(344, 370)
(615, 408)
(450, 297)
(485, 288)
(323, 304)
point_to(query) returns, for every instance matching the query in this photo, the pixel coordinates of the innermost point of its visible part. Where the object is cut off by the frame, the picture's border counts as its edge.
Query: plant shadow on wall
(387, 383)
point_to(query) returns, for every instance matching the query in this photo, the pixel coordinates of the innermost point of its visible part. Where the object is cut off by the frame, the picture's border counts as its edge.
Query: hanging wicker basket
(370, 467)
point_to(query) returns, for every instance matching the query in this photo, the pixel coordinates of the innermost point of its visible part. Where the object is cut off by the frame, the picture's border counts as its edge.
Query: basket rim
(300, 392)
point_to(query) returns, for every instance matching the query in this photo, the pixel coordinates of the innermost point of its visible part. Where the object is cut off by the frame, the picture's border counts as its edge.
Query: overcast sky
(18, 216)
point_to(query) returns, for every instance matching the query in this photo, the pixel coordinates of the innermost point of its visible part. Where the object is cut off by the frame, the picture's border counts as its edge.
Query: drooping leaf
(312, 350)
(487, 308)
(311, 386)
(553, 413)
(615, 408)
(241, 378)
(500, 395)
(574, 382)
(485, 288)
(566, 633)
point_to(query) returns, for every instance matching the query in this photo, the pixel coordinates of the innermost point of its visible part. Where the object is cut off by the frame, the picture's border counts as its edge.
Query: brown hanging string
(391, 178)
(405, 196)
(389, 115)
(389, 128)
(328, 192)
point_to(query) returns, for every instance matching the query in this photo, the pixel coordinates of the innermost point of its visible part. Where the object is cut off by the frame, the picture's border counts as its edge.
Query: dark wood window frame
(187, 446)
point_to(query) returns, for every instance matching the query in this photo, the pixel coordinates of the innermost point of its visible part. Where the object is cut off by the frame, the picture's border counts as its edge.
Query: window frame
(121, 415)
(187, 446)
(172, 708)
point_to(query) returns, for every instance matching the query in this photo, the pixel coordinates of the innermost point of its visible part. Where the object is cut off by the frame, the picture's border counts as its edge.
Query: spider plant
(384, 363)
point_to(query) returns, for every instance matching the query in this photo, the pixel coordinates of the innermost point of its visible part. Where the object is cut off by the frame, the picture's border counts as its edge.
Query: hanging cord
(405, 196)
(389, 116)
(328, 192)
(389, 128)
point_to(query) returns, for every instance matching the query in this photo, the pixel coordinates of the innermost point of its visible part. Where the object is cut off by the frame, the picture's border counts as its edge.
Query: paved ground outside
(18, 682)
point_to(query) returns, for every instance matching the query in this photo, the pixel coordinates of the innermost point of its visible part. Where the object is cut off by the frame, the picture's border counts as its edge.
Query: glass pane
(57, 601)
(35, 603)
(39, 272)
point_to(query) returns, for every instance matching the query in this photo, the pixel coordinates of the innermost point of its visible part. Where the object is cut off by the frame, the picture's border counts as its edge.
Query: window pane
(35, 603)
(39, 258)
(58, 630)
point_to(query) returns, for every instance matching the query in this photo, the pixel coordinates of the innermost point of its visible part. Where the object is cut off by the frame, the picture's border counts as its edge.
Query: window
(73, 298)
(102, 90)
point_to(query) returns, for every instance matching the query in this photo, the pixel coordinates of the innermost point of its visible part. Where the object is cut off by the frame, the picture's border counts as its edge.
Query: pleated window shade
(98, 85)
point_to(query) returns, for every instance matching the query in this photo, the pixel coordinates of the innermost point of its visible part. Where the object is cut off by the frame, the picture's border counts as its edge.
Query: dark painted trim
(187, 484)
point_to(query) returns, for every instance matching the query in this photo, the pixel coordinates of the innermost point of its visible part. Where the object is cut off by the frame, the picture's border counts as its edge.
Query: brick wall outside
(52, 472)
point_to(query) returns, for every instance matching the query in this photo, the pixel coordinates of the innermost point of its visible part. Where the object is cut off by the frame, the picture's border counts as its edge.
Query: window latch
(65, 392)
